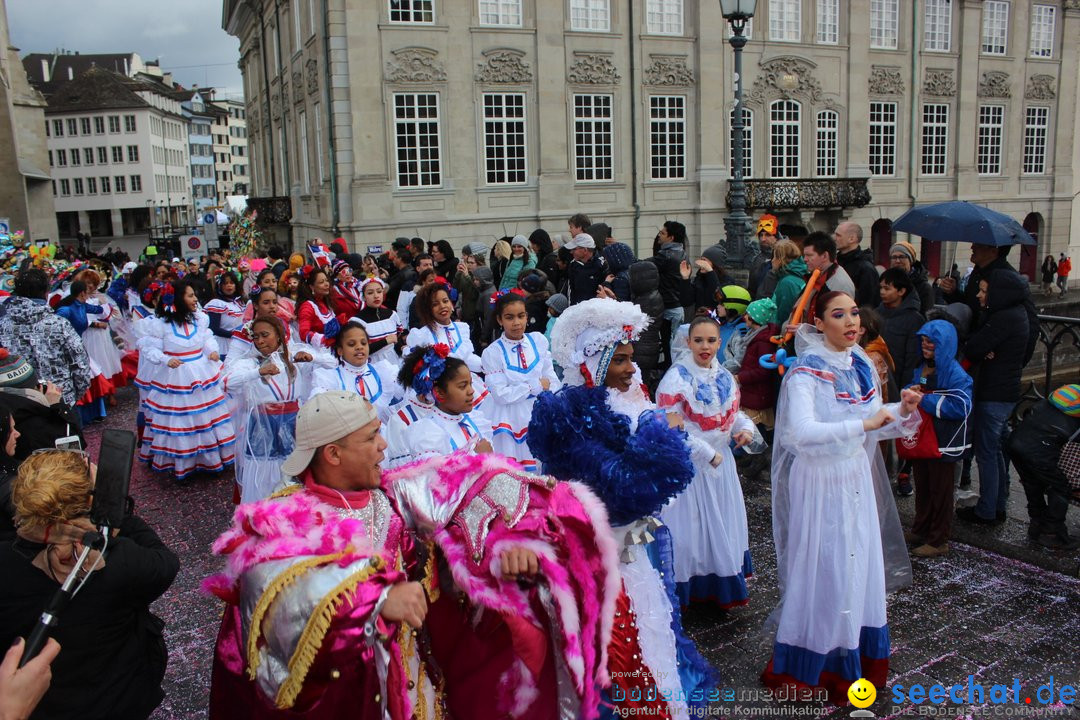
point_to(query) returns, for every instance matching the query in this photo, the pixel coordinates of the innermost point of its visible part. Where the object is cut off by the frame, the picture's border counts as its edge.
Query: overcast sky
(186, 36)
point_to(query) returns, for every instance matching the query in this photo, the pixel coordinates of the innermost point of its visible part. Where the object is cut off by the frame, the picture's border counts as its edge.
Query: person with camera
(114, 656)
(37, 407)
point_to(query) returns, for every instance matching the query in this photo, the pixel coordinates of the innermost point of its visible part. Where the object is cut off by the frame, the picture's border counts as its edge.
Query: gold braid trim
(318, 625)
(431, 574)
(279, 583)
(287, 491)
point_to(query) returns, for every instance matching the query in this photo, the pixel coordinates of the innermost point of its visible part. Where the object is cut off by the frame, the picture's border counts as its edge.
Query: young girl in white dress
(517, 368)
(839, 545)
(382, 324)
(268, 381)
(225, 310)
(708, 521)
(450, 425)
(188, 428)
(355, 372)
(98, 338)
(435, 306)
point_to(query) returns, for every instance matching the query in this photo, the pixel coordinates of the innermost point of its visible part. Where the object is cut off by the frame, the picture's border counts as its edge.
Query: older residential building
(118, 154)
(231, 150)
(202, 115)
(26, 200)
(474, 119)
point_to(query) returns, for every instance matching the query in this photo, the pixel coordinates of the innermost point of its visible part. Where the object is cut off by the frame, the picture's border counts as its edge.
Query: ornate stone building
(474, 119)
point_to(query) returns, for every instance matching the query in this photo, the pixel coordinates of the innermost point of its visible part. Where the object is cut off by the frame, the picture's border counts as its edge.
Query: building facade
(475, 119)
(201, 117)
(118, 155)
(231, 150)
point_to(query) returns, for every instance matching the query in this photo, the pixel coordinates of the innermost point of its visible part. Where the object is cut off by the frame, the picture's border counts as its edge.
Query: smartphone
(113, 478)
(69, 442)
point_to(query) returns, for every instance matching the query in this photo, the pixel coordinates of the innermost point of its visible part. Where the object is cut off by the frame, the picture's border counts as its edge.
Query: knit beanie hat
(520, 241)
(558, 302)
(904, 247)
(1067, 399)
(15, 371)
(762, 311)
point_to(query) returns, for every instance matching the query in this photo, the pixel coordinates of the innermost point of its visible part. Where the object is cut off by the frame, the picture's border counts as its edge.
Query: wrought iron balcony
(800, 193)
(272, 210)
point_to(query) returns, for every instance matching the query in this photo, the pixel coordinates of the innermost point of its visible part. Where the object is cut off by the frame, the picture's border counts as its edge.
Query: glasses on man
(898, 257)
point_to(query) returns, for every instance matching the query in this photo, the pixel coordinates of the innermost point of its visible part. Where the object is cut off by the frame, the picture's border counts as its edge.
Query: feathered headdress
(429, 368)
(586, 335)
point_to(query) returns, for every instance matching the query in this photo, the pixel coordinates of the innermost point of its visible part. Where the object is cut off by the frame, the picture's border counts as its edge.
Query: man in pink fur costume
(457, 587)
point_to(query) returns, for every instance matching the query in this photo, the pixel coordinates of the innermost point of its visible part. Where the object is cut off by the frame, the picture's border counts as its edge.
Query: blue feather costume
(635, 464)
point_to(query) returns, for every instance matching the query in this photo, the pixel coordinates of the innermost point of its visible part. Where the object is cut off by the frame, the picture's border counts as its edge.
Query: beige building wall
(452, 53)
(26, 197)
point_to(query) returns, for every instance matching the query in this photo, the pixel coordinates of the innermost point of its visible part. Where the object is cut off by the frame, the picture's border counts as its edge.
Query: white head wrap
(586, 335)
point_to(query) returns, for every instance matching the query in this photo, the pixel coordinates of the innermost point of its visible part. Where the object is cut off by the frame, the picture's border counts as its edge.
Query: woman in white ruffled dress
(188, 428)
(708, 521)
(839, 543)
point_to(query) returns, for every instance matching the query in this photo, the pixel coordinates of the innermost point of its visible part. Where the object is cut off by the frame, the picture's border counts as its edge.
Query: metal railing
(796, 193)
(272, 210)
(1058, 345)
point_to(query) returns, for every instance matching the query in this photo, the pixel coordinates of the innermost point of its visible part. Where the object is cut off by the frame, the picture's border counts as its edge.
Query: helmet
(735, 298)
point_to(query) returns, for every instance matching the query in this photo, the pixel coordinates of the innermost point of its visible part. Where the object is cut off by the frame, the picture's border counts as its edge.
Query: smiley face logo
(862, 693)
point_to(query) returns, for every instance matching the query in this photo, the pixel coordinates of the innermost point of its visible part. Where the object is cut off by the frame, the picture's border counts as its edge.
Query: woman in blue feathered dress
(602, 429)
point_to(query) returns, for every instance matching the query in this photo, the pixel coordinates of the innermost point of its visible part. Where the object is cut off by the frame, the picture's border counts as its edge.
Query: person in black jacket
(998, 352)
(587, 270)
(546, 257)
(1034, 448)
(113, 653)
(899, 311)
(902, 255)
(404, 277)
(645, 292)
(710, 277)
(619, 257)
(858, 263)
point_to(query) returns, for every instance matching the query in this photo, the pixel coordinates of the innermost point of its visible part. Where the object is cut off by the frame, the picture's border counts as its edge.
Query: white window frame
(298, 37)
(1043, 20)
(590, 15)
(311, 16)
(883, 136)
(88, 156)
(411, 12)
(995, 27)
(785, 135)
(667, 137)
(99, 124)
(828, 22)
(61, 158)
(133, 153)
(990, 140)
(937, 26)
(136, 183)
(106, 184)
(748, 142)
(934, 154)
(785, 20)
(119, 184)
(505, 138)
(77, 187)
(305, 170)
(317, 117)
(130, 125)
(664, 17)
(827, 144)
(114, 124)
(65, 187)
(594, 137)
(884, 24)
(58, 128)
(500, 13)
(73, 127)
(76, 158)
(410, 126)
(84, 126)
(91, 186)
(1036, 137)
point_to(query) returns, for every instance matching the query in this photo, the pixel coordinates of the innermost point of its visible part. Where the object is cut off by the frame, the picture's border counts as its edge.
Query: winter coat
(546, 257)
(514, 268)
(759, 283)
(619, 258)
(1036, 444)
(900, 325)
(758, 386)
(1005, 334)
(789, 286)
(859, 265)
(645, 292)
(403, 279)
(584, 278)
(675, 291)
(485, 313)
(948, 399)
(48, 342)
(39, 423)
(537, 311)
(921, 281)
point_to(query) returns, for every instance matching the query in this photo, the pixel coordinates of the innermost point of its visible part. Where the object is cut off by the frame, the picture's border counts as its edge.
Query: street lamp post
(737, 222)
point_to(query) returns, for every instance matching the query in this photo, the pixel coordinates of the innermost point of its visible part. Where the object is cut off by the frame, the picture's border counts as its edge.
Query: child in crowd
(345, 295)
(708, 522)
(268, 382)
(450, 426)
(76, 309)
(382, 324)
(517, 368)
(226, 310)
(318, 322)
(758, 385)
(359, 372)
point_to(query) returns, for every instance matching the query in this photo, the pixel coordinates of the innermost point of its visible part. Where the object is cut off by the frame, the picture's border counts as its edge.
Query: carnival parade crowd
(488, 486)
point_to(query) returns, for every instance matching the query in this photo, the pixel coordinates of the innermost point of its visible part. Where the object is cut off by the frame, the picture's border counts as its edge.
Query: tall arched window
(784, 131)
(828, 124)
(748, 142)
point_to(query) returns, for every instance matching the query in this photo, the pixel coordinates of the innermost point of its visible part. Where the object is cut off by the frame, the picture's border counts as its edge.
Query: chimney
(126, 74)
(71, 73)
(45, 75)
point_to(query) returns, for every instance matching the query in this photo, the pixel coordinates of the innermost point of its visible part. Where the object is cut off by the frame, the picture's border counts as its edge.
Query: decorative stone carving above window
(415, 65)
(284, 93)
(312, 75)
(503, 66)
(1040, 87)
(994, 84)
(298, 83)
(831, 104)
(1071, 4)
(939, 83)
(885, 80)
(669, 71)
(275, 106)
(592, 69)
(785, 77)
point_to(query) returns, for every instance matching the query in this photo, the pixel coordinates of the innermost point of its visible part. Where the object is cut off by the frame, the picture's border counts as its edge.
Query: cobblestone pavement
(970, 613)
